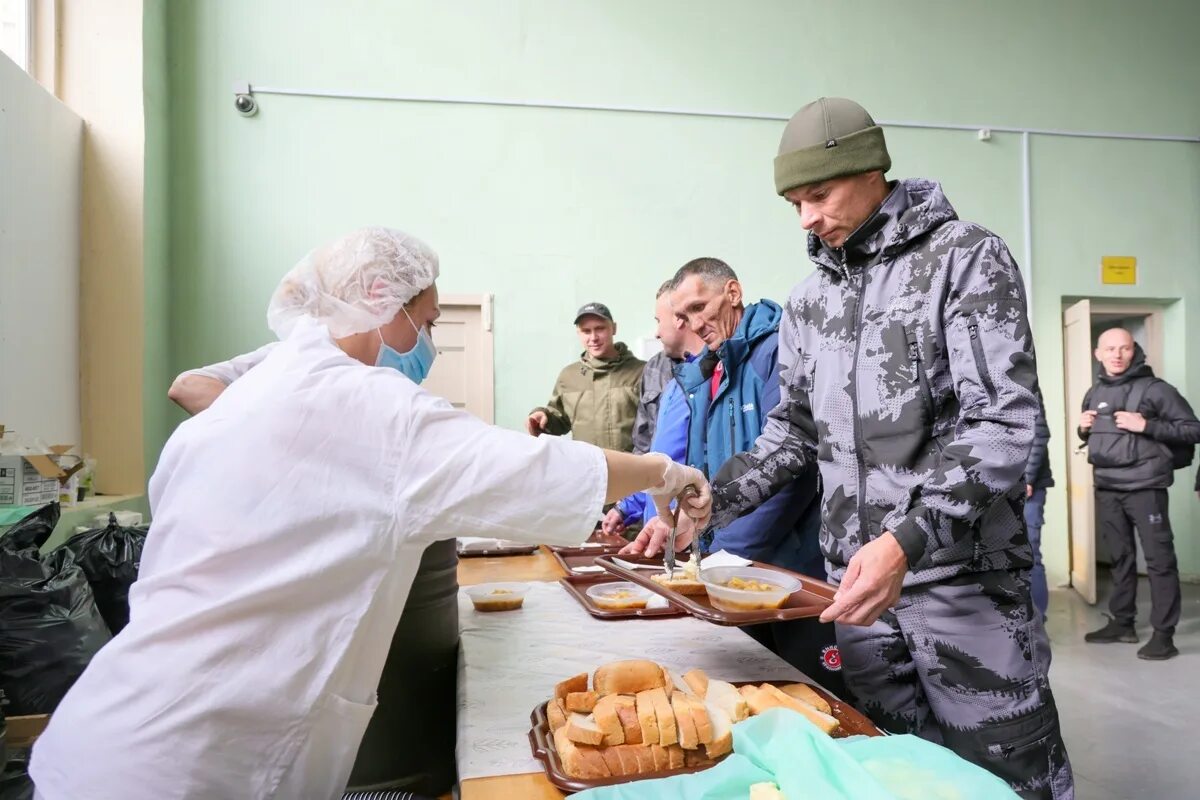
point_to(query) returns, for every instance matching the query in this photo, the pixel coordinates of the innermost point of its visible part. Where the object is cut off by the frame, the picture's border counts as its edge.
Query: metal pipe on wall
(242, 89)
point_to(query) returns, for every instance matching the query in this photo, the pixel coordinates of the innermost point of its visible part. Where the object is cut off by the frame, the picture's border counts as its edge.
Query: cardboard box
(33, 479)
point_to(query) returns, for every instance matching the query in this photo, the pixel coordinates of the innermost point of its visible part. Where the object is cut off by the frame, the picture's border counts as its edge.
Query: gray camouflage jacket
(908, 373)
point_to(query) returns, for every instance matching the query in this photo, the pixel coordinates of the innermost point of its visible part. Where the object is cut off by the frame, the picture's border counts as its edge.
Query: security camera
(246, 105)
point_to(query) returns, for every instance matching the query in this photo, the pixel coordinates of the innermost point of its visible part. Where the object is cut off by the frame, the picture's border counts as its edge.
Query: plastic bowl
(730, 599)
(497, 596)
(619, 596)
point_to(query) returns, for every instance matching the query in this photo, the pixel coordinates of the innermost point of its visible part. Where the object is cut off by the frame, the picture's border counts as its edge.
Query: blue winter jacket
(785, 529)
(670, 438)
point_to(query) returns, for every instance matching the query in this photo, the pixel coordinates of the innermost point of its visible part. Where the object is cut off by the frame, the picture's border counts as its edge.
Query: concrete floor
(1131, 726)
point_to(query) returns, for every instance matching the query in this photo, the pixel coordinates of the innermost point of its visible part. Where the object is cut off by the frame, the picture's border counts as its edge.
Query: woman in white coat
(289, 520)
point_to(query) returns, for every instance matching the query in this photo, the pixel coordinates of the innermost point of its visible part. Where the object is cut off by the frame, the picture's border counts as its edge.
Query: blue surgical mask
(417, 362)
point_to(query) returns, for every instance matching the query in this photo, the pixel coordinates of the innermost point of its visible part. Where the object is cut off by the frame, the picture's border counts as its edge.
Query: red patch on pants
(831, 658)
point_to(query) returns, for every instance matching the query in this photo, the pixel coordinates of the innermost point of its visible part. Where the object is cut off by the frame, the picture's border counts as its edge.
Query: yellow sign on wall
(1118, 269)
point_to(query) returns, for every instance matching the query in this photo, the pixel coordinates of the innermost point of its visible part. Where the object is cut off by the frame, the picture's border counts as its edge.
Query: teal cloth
(10, 515)
(783, 747)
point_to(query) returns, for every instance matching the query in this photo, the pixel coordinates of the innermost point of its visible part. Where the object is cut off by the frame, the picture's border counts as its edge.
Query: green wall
(547, 208)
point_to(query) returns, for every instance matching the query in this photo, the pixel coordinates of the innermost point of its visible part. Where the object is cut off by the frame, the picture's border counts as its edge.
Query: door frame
(1080, 505)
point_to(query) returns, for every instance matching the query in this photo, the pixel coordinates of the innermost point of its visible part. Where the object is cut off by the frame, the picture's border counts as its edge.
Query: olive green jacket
(596, 400)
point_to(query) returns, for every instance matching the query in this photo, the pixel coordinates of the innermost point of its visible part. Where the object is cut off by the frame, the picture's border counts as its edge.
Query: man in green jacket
(596, 398)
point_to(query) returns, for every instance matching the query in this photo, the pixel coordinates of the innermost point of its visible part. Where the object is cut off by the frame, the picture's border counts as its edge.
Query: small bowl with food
(498, 596)
(747, 588)
(619, 596)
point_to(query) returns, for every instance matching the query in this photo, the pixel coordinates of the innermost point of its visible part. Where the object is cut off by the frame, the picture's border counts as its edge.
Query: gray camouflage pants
(963, 663)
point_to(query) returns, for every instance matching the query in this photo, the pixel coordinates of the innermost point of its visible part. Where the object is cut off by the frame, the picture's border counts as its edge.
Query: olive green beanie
(829, 138)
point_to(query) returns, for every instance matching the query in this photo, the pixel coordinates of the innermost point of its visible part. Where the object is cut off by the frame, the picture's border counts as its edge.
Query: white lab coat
(288, 523)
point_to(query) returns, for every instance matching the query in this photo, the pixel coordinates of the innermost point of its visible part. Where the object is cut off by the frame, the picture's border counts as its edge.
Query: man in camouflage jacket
(908, 375)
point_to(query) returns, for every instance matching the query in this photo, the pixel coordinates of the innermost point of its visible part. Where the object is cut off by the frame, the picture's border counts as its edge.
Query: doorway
(1083, 322)
(463, 372)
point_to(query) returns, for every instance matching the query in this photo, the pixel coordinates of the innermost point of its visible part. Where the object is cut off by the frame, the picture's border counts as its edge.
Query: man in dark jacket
(678, 342)
(1132, 422)
(1037, 480)
(909, 378)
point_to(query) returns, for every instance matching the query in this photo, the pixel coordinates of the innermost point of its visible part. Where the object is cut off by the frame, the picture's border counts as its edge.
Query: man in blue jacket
(730, 388)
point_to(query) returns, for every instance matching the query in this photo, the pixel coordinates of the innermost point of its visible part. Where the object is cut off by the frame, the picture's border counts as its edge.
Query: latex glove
(652, 538)
(613, 522)
(676, 478)
(871, 584)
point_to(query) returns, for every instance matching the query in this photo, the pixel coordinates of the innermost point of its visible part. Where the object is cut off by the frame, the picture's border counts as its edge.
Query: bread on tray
(637, 718)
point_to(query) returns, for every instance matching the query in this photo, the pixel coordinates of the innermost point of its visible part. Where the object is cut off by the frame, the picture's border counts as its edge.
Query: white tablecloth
(510, 661)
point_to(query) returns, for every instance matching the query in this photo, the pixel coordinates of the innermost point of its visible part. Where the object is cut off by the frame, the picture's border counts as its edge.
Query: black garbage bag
(109, 557)
(49, 624)
(19, 546)
(15, 783)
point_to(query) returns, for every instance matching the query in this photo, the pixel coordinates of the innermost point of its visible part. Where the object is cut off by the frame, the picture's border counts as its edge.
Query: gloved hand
(676, 478)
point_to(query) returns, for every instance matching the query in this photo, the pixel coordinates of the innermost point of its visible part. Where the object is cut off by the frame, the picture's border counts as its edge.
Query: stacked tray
(501, 548)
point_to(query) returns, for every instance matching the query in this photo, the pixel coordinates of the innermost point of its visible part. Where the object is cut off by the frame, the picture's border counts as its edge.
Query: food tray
(577, 586)
(541, 741)
(597, 543)
(582, 561)
(503, 550)
(810, 600)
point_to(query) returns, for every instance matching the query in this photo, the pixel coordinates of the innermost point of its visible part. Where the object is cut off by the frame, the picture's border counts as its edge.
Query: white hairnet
(354, 284)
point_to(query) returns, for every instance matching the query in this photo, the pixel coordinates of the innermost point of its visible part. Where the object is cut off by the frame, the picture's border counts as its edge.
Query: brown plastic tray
(597, 543)
(541, 741)
(809, 600)
(577, 586)
(504, 550)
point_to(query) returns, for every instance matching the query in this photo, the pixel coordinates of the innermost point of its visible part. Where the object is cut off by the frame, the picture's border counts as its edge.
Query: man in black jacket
(1038, 479)
(1131, 422)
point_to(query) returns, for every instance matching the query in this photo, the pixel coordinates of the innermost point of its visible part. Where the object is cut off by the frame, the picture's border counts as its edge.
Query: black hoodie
(1126, 461)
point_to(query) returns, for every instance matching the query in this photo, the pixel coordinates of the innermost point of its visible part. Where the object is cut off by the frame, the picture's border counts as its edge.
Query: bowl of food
(497, 596)
(619, 596)
(747, 588)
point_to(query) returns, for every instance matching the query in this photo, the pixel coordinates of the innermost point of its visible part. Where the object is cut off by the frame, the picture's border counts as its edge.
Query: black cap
(594, 310)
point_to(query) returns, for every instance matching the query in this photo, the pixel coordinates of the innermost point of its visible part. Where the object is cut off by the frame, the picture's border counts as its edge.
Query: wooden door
(463, 372)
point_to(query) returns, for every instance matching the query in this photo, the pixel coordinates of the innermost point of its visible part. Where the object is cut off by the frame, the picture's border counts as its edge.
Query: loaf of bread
(583, 702)
(766, 696)
(638, 718)
(585, 763)
(647, 716)
(556, 714)
(679, 583)
(582, 728)
(627, 677)
(577, 683)
(697, 681)
(684, 722)
(626, 707)
(721, 742)
(765, 791)
(604, 712)
(806, 694)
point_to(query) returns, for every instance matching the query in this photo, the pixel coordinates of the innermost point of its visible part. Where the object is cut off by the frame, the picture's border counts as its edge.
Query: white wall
(40, 177)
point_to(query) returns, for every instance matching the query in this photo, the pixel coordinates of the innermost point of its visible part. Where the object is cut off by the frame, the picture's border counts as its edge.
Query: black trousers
(1117, 514)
